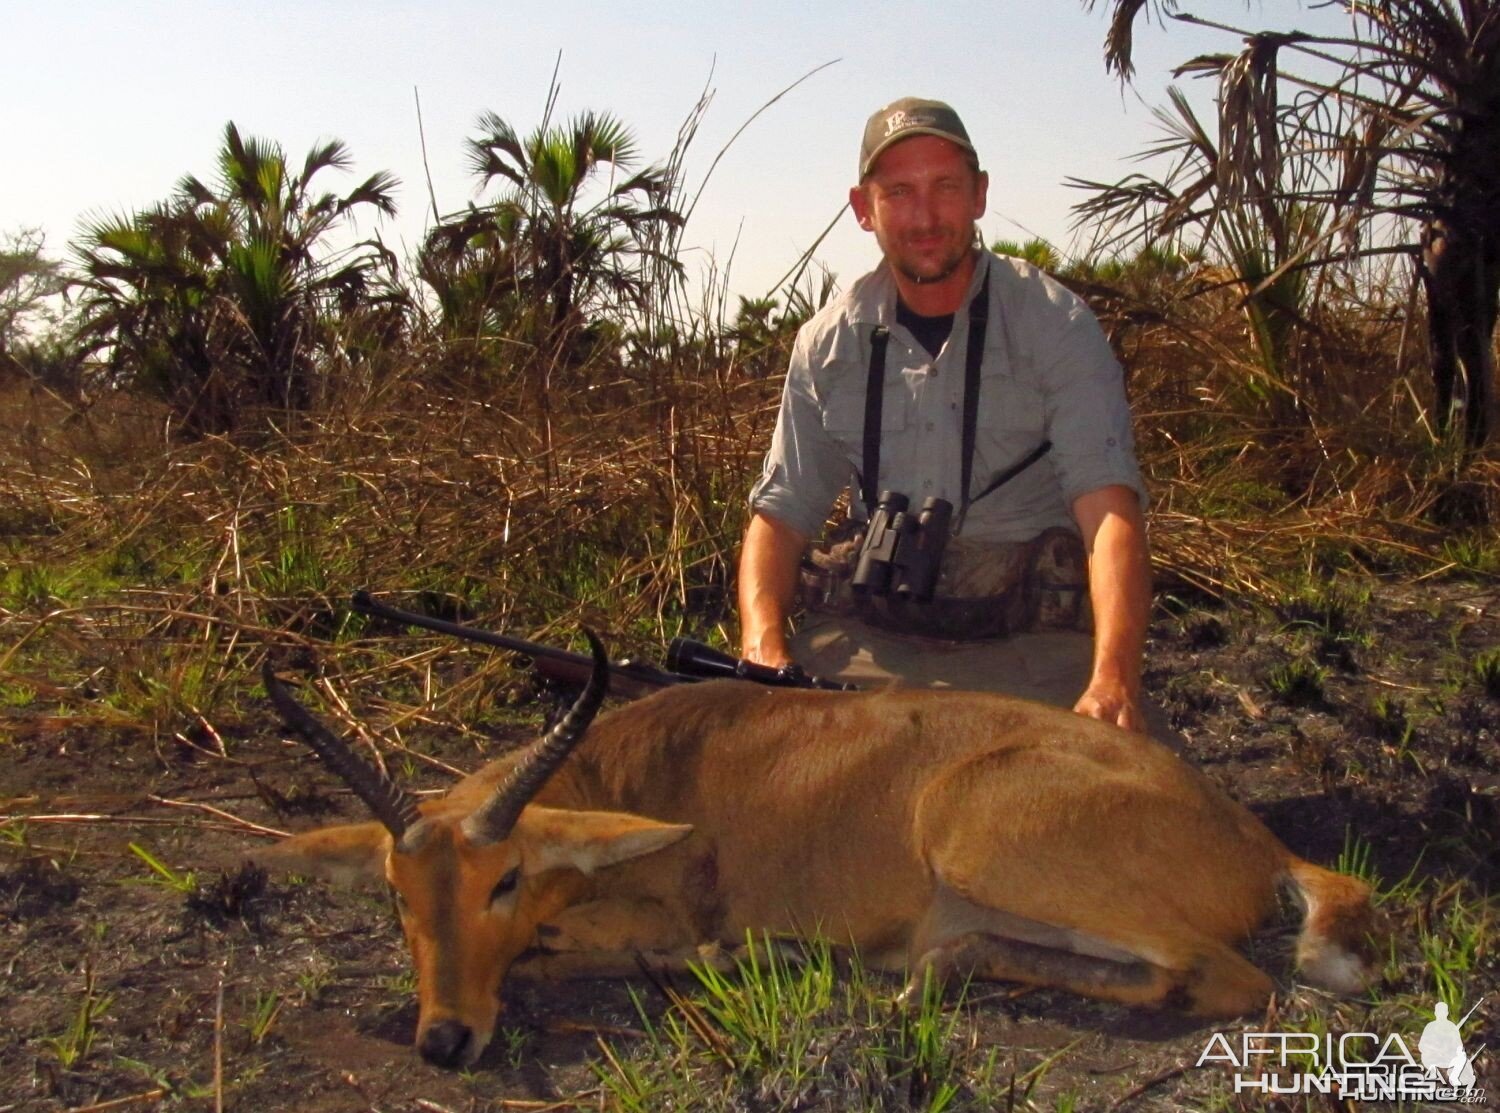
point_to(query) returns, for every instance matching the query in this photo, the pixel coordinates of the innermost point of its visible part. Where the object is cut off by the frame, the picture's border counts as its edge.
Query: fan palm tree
(1261, 244)
(223, 298)
(546, 244)
(1406, 133)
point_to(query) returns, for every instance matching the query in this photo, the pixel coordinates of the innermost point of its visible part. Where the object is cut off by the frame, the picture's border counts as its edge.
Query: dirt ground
(298, 997)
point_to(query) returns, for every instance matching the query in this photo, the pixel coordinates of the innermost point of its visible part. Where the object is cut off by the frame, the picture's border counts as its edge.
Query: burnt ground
(116, 983)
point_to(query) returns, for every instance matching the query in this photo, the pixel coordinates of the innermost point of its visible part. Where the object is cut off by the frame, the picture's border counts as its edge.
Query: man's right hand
(768, 651)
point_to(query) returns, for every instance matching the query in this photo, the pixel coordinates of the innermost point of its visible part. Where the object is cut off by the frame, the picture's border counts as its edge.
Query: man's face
(921, 200)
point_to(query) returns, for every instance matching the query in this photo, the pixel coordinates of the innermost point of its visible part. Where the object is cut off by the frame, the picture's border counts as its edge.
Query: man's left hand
(1111, 703)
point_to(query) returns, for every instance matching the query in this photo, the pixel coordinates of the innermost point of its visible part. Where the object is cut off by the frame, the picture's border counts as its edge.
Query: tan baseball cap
(904, 118)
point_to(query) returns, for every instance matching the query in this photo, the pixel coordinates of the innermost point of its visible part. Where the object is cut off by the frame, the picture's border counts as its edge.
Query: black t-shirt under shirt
(930, 332)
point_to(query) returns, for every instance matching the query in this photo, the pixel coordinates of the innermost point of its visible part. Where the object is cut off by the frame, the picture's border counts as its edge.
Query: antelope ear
(350, 855)
(556, 838)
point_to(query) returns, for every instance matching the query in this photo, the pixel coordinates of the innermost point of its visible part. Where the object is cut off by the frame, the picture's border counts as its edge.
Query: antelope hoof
(915, 990)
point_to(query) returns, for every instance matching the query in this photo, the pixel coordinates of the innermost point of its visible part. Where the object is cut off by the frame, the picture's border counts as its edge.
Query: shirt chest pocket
(844, 420)
(1012, 419)
(844, 414)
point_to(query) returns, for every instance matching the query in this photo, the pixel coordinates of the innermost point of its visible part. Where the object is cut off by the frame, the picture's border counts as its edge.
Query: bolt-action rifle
(688, 661)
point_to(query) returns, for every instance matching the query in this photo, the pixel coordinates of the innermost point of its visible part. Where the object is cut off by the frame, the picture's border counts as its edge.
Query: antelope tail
(1334, 950)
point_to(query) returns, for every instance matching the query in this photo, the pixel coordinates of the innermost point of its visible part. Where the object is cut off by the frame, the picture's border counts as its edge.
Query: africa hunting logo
(1362, 1066)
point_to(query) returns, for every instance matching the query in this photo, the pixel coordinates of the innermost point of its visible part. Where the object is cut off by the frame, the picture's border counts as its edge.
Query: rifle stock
(692, 661)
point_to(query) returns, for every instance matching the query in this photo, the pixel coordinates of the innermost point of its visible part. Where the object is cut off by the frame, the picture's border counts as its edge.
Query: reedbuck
(935, 831)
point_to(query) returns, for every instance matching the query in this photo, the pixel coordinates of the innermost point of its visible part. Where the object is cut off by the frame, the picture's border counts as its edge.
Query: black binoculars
(902, 552)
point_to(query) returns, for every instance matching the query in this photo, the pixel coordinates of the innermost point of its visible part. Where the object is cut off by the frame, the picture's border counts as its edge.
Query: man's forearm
(767, 586)
(1120, 586)
(1114, 531)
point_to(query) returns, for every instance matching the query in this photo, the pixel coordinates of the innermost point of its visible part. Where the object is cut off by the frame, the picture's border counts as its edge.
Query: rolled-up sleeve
(1088, 415)
(805, 468)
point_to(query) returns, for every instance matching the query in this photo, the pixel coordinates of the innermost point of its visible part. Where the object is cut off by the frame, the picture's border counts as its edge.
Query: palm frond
(378, 190)
(498, 152)
(603, 137)
(1119, 42)
(332, 154)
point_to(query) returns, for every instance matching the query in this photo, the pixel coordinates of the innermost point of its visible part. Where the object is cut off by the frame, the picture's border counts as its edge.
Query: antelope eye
(506, 885)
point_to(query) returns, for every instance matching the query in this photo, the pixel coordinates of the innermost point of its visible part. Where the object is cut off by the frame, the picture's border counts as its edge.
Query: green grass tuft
(796, 1027)
(1298, 682)
(1486, 672)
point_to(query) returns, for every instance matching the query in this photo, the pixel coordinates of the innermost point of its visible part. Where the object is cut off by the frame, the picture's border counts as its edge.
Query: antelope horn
(493, 820)
(394, 808)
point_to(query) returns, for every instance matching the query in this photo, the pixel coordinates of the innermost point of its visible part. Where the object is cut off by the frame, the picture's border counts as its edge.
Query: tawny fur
(930, 830)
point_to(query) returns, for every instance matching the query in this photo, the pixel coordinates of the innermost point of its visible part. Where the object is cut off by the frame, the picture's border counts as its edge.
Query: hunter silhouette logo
(1362, 1066)
(1442, 1049)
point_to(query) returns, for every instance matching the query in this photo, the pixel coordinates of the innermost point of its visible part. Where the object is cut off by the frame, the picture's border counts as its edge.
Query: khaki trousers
(1049, 667)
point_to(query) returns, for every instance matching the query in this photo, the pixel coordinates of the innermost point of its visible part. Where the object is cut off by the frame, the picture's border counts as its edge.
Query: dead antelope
(932, 830)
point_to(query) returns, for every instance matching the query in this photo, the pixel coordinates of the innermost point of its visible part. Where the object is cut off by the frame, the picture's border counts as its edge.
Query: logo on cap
(908, 116)
(901, 120)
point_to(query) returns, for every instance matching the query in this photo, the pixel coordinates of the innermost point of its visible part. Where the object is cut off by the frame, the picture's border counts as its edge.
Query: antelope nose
(444, 1043)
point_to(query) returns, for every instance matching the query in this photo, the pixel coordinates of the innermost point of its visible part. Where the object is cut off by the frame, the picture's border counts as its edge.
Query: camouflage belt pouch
(1057, 572)
(826, 570)
(984, 590)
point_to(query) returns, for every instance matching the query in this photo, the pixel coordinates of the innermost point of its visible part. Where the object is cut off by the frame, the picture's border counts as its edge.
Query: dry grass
(1334, 466)
(144, 576)
(122, 546)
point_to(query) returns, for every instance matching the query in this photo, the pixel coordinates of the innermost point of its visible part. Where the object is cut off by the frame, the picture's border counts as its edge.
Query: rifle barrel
(638, 678)
(688, 662)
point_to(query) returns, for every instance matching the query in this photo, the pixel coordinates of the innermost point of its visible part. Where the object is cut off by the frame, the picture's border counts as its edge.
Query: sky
(104, 105)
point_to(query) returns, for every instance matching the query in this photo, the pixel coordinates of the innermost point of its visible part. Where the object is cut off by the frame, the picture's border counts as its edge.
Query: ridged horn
(493, 820)
(394, 808)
